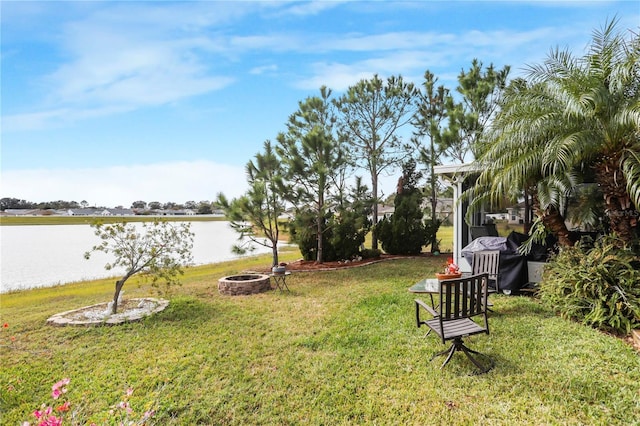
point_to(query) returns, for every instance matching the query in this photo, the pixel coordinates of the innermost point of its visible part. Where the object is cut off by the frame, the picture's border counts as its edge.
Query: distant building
(385, 211)
(444, 209)
(515, 214)
(92, 211)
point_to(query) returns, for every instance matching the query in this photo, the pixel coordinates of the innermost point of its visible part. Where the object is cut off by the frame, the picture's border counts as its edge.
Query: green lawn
(342, 348)
(445, 234)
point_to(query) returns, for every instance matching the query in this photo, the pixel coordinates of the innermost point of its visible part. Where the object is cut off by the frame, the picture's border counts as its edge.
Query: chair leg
(481, 367)
(468, 349)
(450, 351)
(458, 345)
(446, 351)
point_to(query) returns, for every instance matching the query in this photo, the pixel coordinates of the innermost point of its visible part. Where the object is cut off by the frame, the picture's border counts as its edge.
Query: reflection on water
(46, 255)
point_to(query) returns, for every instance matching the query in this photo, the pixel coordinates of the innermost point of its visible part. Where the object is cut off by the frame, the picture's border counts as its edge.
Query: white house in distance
(515, 214)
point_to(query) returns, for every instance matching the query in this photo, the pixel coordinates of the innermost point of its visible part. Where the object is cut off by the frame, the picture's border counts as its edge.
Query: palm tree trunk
(554, 222)
(527, 211)
(620, 211)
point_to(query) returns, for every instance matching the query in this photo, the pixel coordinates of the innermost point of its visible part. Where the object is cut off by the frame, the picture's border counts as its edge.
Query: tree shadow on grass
(185, 309)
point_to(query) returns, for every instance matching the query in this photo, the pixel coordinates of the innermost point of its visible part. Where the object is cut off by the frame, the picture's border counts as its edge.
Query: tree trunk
(116, 295)
(319, 253)
(274, 255)
(554, 222)
(434, 196)
(620, 211)
(320, 225)
(527, 212)
(374, 187)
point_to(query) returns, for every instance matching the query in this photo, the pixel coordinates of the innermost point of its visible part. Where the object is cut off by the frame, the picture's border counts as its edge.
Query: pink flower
(58, 389)
(123, 405)
(51, 421)
(129, 391)
(61, 383)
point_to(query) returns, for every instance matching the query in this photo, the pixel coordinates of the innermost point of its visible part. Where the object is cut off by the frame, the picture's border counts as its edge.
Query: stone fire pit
(244, 284)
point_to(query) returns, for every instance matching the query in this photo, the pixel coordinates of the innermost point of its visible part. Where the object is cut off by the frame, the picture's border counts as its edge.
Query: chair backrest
(463, 297)
(486, 261)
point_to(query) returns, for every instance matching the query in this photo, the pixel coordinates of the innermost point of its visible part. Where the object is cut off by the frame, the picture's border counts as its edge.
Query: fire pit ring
(244, 284)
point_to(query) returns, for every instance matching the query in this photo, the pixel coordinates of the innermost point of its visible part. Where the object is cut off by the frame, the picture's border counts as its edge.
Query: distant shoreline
(88, 220)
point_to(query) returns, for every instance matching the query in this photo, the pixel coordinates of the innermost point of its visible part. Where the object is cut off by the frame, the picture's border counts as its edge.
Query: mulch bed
(311, 265)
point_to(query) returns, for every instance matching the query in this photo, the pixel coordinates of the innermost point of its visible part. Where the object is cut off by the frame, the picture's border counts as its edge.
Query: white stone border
(74, 318)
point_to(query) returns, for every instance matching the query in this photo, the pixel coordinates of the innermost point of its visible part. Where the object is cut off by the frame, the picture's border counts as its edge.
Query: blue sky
(113, 102)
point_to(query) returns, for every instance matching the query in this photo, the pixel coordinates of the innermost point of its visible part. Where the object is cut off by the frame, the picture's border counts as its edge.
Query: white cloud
(263, 69)
(411, 53)
(122, 185)
(310, 7)
(128, 57)
(118, 68)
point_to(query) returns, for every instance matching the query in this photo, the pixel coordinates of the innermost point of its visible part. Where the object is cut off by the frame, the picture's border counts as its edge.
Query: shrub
(402, 234)
(598, 286)
(431, 227)
(404, 231)
(303, 231)
(370, 253)
(342, 238)
(348, 231)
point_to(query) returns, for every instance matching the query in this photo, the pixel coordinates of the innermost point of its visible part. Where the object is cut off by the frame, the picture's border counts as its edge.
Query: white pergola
(460, 176)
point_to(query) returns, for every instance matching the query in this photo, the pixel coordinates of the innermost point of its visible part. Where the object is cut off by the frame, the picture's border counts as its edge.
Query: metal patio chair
(461, 300)
(488, 261)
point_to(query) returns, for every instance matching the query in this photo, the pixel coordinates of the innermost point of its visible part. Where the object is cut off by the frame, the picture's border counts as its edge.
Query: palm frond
(631, 169)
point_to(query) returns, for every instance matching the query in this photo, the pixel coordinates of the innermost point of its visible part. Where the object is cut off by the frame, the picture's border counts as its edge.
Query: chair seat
(460, 300)
(455, 328)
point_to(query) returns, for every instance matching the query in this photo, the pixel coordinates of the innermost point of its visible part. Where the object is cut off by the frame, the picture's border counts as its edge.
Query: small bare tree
(157, 249)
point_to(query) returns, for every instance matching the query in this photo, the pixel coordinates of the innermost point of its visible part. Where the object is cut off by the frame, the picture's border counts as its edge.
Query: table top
(427, 285)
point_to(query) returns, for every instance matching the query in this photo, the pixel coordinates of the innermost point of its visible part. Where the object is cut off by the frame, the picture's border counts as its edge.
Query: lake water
(47, 255)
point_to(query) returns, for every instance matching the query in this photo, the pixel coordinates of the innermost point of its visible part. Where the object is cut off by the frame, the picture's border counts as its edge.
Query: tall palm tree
(574, 113)
(514, 160)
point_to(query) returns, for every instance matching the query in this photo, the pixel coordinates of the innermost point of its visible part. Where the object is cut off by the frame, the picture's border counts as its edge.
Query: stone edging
(75, 317)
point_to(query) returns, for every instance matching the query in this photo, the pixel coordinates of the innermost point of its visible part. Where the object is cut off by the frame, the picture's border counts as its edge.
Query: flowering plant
(451, 268)
(12, 339)
(50, 416)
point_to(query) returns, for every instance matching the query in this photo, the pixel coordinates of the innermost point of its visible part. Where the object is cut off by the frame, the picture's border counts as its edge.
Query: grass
(342, 348)
(445, 234)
